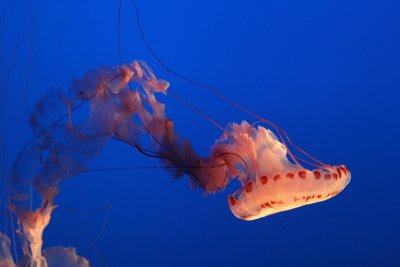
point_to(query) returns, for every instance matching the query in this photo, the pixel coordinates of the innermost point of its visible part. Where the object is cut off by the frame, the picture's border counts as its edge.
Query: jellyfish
(270, 181)
(124, 105)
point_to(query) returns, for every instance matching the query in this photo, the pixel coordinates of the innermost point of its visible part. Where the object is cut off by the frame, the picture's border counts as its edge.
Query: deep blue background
(328, 72)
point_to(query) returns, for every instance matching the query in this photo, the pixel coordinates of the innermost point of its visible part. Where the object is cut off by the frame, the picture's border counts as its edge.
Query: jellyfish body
(274, 183)
(277, 184)
(271, 183)
(286, 191)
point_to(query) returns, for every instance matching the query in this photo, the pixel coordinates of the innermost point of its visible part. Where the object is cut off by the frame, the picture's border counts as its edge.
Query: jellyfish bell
(287, 190)
(275, 184)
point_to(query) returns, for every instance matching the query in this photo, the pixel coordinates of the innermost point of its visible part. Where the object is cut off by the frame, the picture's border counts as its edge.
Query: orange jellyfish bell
(272, 183)
(287, 190)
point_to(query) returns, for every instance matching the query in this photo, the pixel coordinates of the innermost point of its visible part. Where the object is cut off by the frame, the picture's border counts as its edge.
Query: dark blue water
(328, 72)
